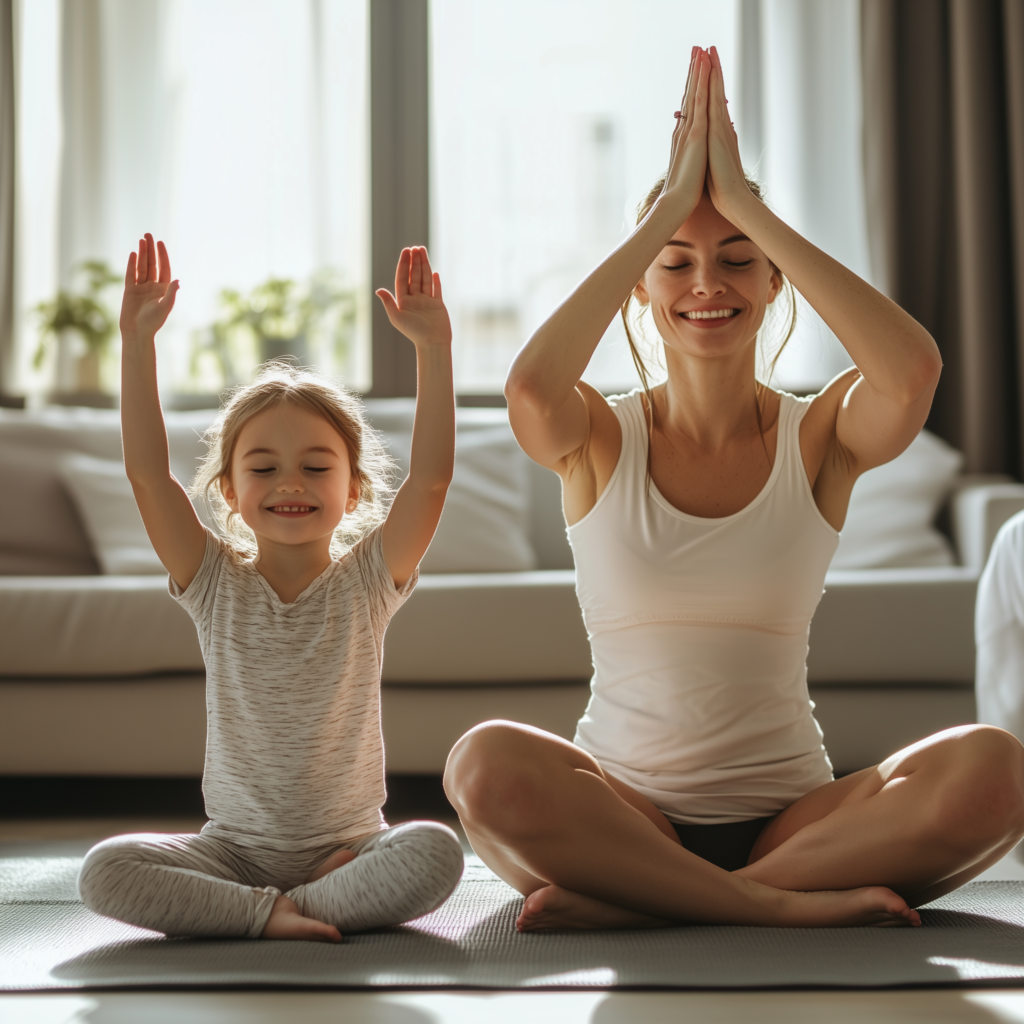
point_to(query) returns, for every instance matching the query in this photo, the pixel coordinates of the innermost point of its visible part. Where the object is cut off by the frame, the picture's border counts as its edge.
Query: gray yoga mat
(49, 941)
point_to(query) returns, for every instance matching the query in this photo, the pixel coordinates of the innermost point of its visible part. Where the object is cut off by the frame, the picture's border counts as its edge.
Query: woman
(703, 515)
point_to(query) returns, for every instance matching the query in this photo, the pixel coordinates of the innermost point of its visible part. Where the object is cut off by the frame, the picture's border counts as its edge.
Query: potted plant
(278, 319)
(83, 327)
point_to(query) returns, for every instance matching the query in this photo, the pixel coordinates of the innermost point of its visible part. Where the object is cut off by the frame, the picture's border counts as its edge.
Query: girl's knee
(102, 870)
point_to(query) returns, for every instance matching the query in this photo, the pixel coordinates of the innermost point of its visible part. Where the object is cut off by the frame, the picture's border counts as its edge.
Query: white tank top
(698, 629)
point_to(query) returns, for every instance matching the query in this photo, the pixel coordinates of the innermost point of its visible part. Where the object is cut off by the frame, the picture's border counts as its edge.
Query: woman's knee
(980, 789)
(494, 775)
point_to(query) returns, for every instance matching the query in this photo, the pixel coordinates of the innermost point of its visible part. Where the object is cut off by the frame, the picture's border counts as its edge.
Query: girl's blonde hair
(767, 357)
(275, 384)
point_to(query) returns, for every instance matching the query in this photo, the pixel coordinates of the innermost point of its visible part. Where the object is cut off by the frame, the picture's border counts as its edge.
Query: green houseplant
(278, 319)
(84, 317)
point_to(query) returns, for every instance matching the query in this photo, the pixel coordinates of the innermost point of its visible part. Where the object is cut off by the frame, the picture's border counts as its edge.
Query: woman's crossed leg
(589, 852)
(923, 822)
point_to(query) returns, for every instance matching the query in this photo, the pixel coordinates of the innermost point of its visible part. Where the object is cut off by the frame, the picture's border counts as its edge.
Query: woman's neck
(711, 401)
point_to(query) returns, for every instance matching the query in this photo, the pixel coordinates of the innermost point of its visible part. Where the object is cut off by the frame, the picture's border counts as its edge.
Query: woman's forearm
(551, 363)
(896, 355)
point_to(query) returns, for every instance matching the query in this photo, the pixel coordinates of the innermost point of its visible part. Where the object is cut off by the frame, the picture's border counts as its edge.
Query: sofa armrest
(978, 511)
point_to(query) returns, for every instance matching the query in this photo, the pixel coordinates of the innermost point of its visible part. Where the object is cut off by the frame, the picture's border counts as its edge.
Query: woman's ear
(641, 293)
(227, 492)
(774, 284)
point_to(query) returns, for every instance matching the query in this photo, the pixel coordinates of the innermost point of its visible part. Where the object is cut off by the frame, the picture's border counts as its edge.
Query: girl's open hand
(727, 183)
(416, 308)
(688, 159)
(148, 290)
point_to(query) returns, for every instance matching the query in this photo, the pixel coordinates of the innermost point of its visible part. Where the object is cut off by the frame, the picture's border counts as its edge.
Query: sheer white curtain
(550, 122)
(234, 129)
(798, 115)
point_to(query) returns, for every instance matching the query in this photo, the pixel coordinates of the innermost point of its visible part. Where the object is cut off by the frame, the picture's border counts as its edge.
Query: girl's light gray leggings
(205, 885)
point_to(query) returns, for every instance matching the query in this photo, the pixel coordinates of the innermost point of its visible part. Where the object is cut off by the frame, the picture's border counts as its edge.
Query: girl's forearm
(551, 363)
(143, 433)
(432, 455)
(895, 354)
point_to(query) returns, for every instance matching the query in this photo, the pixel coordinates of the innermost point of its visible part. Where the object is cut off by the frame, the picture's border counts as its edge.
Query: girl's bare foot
(336, 860)
(286, 922)
(554, 908)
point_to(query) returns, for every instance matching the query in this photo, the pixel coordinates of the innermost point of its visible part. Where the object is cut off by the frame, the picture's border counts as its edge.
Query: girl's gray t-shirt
(294, 753)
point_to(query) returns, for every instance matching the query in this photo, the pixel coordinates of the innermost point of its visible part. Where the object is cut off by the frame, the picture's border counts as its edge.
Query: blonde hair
(277, 383)
(769, 360)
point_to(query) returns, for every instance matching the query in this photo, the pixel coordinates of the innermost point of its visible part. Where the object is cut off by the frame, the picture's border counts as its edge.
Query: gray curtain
(944, 163)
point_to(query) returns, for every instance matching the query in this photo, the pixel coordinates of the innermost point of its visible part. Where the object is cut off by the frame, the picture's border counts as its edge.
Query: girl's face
(709, 287)
(291, 480)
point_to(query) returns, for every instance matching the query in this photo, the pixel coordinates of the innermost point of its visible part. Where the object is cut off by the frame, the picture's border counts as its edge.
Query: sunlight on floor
(997, 1007)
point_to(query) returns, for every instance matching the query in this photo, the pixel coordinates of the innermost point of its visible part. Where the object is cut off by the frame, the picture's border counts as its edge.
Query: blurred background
(241, 132)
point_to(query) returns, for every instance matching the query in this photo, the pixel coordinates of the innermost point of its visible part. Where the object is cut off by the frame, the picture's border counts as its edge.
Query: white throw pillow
(103, 495)
(893, 509)
(484, 526)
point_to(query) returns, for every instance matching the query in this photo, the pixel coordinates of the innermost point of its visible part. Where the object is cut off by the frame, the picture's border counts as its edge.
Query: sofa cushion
(893, 507)
(877, 626)
(41, 532)
(105, 502)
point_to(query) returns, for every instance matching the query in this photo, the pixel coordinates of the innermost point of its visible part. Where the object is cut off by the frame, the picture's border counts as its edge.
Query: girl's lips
(292, 511)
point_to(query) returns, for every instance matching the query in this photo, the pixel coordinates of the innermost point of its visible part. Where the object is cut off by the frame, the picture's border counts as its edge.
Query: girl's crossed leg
(589, 852)
(201, 885)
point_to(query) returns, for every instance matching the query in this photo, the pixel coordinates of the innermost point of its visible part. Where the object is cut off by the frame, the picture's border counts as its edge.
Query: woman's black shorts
(726, 845)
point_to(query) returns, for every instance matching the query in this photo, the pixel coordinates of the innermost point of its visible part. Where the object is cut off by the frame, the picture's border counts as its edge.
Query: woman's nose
(706, 283)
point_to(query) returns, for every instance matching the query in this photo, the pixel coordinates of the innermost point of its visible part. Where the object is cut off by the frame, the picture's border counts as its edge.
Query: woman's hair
(767, 358)
(276, 384)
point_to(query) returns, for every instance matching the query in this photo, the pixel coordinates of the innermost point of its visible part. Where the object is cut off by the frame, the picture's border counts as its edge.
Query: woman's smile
(709, 318)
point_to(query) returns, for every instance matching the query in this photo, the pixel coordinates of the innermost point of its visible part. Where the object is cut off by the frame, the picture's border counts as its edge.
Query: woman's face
(709, 287)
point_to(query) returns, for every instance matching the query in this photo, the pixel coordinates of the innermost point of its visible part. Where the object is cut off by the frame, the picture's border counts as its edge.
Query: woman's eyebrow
(725, 241)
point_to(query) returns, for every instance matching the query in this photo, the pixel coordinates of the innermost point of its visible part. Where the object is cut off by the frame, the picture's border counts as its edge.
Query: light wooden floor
(71, 837)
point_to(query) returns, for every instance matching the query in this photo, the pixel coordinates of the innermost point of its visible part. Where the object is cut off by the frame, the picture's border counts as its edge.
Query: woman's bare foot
(553, 908)
(873, 906)
(336, 860)
(286, 922)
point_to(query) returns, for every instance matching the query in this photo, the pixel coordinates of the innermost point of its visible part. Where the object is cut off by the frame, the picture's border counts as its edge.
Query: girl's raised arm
(548, 411)
(868, 415)
(171, 521)
(418, 311)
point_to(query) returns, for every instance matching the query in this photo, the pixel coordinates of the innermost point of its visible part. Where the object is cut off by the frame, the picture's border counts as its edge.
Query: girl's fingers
(143, 263)
(167, 300)
(153, 267)
(390, 303)
(401, 275)
(129, 274)
(165, 263)
(426, 274)
(437, 287)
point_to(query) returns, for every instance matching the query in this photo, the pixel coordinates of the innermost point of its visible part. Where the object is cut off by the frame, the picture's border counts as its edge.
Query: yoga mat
(49, 941)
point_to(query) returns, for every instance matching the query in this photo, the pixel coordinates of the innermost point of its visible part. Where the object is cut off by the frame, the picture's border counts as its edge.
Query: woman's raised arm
(547, 410)
(879, 409)
(171, 521)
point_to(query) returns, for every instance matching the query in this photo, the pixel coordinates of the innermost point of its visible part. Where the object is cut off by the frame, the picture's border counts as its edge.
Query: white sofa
(101, 674)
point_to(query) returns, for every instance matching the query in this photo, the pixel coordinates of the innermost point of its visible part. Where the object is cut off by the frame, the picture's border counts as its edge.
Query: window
(550, 121)
(233, 129)
(239, 131)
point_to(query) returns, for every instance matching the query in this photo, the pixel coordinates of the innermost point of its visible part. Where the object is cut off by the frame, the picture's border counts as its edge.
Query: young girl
(291, 626)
